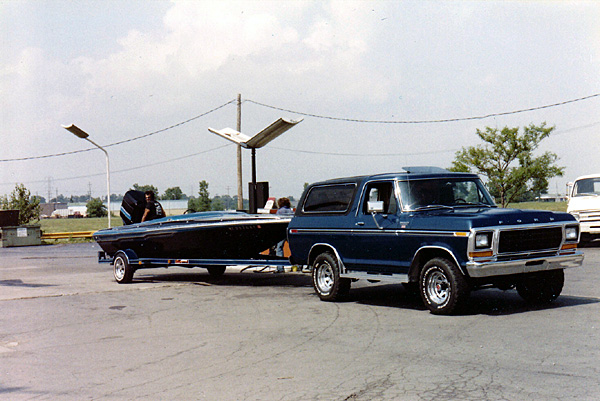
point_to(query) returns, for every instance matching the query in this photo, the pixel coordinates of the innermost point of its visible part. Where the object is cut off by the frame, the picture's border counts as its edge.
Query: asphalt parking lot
(68, 331)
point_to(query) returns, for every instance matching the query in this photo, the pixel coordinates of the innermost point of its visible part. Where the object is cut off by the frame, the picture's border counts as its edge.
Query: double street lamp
(84, 135)
(255, 142)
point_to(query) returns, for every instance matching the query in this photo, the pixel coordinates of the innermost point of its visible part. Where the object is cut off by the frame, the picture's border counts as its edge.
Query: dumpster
(20, 236)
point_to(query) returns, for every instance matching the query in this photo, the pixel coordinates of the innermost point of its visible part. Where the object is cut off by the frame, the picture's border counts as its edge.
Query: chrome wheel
(325, 278)
(119, 269)
(122, 270)
(443, 287)
(438, 287)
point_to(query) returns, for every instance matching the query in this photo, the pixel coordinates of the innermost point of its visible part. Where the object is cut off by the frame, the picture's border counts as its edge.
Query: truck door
(374, 236)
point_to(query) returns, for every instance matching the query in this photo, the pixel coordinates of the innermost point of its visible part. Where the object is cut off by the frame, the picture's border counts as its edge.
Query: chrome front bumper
(502, 268)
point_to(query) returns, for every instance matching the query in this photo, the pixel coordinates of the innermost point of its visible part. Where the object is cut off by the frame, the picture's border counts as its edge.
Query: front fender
(428, 252)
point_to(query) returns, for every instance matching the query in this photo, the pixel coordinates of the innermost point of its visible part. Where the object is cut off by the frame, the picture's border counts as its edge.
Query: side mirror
(375, 207)
(569, 189)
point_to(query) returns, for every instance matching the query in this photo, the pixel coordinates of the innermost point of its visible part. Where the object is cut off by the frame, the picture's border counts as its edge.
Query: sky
(372, 81)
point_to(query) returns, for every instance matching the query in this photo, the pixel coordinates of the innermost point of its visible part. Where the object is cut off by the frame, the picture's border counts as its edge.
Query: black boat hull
(197, 236)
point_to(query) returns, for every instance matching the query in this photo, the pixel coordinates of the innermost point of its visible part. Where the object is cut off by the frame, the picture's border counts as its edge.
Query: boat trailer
(126, 263)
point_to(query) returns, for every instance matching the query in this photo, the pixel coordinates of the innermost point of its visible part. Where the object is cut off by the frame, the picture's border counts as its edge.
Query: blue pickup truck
(436, 231)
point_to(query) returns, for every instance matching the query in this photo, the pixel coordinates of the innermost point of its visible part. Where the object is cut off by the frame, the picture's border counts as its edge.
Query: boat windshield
(587, 187)
(444, 193)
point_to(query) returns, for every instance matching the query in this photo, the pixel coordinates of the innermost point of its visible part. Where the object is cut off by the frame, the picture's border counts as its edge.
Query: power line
(448, 120)
(172, 126)
(566, 131)
(364, 154)
(316, 116)
(121, 142)
(559, 132)
(127, 169)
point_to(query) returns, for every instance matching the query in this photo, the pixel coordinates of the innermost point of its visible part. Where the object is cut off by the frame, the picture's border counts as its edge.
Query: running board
(393, 277)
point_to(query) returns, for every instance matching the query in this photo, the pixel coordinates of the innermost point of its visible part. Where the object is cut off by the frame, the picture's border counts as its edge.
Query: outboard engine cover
(132, 207)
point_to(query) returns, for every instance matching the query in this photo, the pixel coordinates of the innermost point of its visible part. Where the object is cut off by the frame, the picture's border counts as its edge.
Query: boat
(202, 235)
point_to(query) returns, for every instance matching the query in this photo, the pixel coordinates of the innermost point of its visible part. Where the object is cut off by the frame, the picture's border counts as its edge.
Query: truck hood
(578, 203)
(459, 219)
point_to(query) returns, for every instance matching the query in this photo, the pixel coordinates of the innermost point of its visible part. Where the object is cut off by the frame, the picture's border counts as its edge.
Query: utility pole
(49, 179)
(240, 190)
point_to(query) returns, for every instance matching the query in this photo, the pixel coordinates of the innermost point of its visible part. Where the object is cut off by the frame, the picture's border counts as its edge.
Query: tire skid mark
(228, 371)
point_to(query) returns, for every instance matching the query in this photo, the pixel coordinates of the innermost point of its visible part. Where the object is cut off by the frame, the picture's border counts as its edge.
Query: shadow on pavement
(20, 283)
(200, 276)
(491, 302)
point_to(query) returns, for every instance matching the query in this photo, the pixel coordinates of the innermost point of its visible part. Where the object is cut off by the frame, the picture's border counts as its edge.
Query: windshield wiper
(433, 207)
(473, 204)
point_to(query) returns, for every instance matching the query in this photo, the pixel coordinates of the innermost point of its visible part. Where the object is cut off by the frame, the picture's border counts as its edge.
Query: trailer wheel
(542, 287)
(216, 271)
(326, 278)
(443, 287)
(122, 270)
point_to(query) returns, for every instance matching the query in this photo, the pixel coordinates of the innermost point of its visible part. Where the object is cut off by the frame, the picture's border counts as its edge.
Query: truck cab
(434, 230)
(584, 205)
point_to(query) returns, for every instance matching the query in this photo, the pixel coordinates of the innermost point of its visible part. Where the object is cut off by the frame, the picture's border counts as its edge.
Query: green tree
(217, 203)
(203, 197)
(228, 202)
(145, 188)
(95, 208)
(506, 159)
(173, 193)
(202, 202)
(20, 199)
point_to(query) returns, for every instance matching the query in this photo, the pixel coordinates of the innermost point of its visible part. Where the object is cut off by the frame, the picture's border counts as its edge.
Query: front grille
(535, 239)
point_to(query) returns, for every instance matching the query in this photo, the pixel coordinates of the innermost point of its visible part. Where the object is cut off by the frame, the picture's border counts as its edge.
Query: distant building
(552, 198)
(62, 210)
(49, 208)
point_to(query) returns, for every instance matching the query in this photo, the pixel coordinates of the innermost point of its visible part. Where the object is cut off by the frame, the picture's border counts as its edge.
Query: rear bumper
(495, 268)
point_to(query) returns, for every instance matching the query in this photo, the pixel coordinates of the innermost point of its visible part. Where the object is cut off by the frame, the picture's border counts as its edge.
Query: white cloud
(252, 41)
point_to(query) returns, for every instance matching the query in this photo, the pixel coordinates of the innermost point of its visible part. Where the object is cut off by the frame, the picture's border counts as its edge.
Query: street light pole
(84, 135)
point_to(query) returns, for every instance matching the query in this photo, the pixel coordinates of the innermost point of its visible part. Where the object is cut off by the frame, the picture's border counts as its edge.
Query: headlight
(483, 240)
(571, 233)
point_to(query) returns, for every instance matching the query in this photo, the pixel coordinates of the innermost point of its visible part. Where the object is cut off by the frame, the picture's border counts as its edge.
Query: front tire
(122, 270)
(543, 287)
(442, 286)
(326, 278)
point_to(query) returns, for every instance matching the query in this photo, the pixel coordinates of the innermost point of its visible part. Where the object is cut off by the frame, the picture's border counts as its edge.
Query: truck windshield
(587, 186)
(443, 193)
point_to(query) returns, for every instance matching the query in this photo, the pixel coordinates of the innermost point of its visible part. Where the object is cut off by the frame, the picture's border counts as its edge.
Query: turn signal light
(483, 254)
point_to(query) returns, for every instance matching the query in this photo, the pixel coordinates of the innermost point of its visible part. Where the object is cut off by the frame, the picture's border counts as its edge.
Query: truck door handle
(360, 223)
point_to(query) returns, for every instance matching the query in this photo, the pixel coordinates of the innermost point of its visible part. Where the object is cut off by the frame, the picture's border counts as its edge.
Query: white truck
(584, 204)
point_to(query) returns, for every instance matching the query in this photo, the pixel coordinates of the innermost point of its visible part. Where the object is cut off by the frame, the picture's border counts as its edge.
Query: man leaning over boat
(154, 209)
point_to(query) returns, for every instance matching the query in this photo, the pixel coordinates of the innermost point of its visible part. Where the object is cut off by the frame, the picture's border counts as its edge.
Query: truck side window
(383, 192)
(329, 198)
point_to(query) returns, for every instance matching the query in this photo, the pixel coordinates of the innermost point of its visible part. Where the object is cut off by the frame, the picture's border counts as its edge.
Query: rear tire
(327, 282)
(442, 286)
(122, 270)
(543, 287)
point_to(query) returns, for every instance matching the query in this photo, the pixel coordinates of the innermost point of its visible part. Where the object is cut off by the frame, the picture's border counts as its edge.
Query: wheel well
(129, 254)
(424, 255)
(318, 249)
